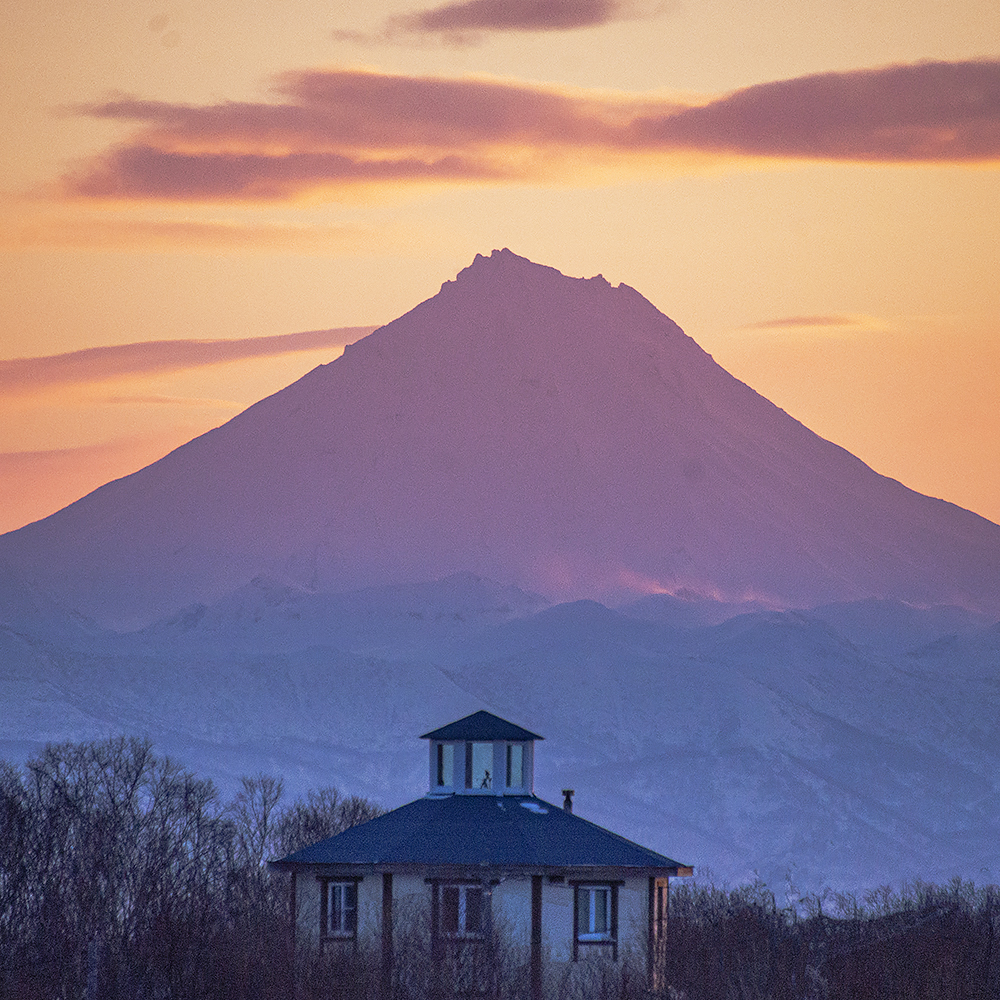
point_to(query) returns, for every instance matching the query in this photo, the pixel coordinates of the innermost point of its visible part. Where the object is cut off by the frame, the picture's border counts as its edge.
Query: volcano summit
(554, 433)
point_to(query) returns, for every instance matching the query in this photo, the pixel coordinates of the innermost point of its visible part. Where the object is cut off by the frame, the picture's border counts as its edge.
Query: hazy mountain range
(794, 666)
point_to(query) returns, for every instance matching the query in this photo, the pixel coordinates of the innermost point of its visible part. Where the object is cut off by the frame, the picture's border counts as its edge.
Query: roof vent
(568, 799)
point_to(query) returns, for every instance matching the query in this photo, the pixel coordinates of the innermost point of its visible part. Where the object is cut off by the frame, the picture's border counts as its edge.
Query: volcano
(556, 434)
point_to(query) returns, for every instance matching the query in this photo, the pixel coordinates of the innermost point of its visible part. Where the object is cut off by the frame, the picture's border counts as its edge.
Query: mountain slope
(557, 434)
(770, 742)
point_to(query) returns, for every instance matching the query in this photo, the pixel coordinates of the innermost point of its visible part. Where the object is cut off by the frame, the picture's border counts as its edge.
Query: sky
(201, 202)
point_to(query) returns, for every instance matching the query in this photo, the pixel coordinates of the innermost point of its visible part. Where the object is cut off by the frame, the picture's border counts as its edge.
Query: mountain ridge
(556, 434)
(769, 743)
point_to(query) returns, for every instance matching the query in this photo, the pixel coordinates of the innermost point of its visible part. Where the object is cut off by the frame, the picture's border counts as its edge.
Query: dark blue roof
(508, 831)
(481, 726)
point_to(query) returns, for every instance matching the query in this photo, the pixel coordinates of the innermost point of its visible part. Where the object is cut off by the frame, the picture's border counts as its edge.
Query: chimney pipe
(568, 799)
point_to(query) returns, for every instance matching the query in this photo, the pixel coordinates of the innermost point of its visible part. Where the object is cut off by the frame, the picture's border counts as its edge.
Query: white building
(480, 852)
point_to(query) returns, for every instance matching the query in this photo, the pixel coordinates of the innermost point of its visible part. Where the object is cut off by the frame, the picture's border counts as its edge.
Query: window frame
(330, 886)
(463, 887)
(586, 936)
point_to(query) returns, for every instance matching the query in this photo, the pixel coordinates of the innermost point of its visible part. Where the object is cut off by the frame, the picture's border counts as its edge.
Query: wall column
(651, 935)
(387, 936)
(293, 920)
(437, 945)
(536, 937)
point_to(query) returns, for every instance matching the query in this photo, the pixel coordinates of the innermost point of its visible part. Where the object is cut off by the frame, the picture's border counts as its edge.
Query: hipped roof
(493, 831)
(481, 726)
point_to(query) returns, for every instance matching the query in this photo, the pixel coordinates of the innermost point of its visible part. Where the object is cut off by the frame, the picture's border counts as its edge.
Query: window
(478, 765)
(445, 763)
(593, 913)
(462, 910)
(515, 765)
(339, 909)
(595, 917)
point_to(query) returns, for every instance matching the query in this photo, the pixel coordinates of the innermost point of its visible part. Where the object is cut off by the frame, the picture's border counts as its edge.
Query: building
(480, 851)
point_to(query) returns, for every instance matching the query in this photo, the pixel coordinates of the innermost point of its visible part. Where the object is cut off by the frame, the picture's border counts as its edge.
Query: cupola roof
(481, 726)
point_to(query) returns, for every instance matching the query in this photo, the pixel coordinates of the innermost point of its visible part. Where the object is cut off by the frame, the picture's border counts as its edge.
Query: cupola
(481, 754)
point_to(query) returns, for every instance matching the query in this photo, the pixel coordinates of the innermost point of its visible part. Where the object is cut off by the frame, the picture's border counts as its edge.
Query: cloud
(100, 232)
(513, 15)
(469, 22)
(834, 325)
(149, 172)
(336, 130)
(161, 399)
(937, 112)
(101, 364)
(34, 484)
(787, 322)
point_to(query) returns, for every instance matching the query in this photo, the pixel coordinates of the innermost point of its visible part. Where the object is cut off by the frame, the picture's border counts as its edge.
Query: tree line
(920, 942)
(124, 876)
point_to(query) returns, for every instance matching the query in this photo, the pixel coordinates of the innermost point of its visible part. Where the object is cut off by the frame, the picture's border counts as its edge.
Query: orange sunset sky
(809, 189)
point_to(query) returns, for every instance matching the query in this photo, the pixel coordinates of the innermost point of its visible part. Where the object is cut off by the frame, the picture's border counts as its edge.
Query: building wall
(510, 909)
(308, 895)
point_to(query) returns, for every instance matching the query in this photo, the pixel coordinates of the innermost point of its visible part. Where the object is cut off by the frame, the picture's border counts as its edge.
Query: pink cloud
(149, 172)
(359, 113)
(469, 22)
(785, 322)
(515, 15)
(100, 364)
(340, 128)
(927, 112)
(34, 484)
(106, 231)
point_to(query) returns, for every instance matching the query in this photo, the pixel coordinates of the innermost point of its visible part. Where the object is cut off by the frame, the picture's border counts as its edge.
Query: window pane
(445, 763)
(601, 921)
(473, 910)
(449, 909)
(336, 907)
(482, 765)
(593, 913)
(515, 765)
(351, 907)
(343, 908)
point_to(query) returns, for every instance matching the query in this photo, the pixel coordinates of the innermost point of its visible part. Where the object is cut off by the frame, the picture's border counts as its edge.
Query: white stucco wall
(308, 897)
(510, 908)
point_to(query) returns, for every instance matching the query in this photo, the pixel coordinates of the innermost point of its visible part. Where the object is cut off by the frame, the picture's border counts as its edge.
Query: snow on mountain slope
(315, 716)
(266, 616)
(557, 434)
(770, 743)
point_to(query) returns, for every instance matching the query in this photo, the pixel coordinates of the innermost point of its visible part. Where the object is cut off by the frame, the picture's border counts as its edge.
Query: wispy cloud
(34, 484)
(339, 129)
(517, 15)
(162, 399)
(103, 364)
(795, 322)
(110, 232)
(471, 21)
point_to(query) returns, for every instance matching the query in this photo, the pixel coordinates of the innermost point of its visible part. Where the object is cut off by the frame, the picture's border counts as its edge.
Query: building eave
(484, 872)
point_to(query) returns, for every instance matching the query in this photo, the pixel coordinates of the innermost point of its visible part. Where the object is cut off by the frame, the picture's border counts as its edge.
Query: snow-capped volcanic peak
(557, 434)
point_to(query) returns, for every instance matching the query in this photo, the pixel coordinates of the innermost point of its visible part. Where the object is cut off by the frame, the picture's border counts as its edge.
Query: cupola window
(478, 765)
(515, 765)
(445, 764)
